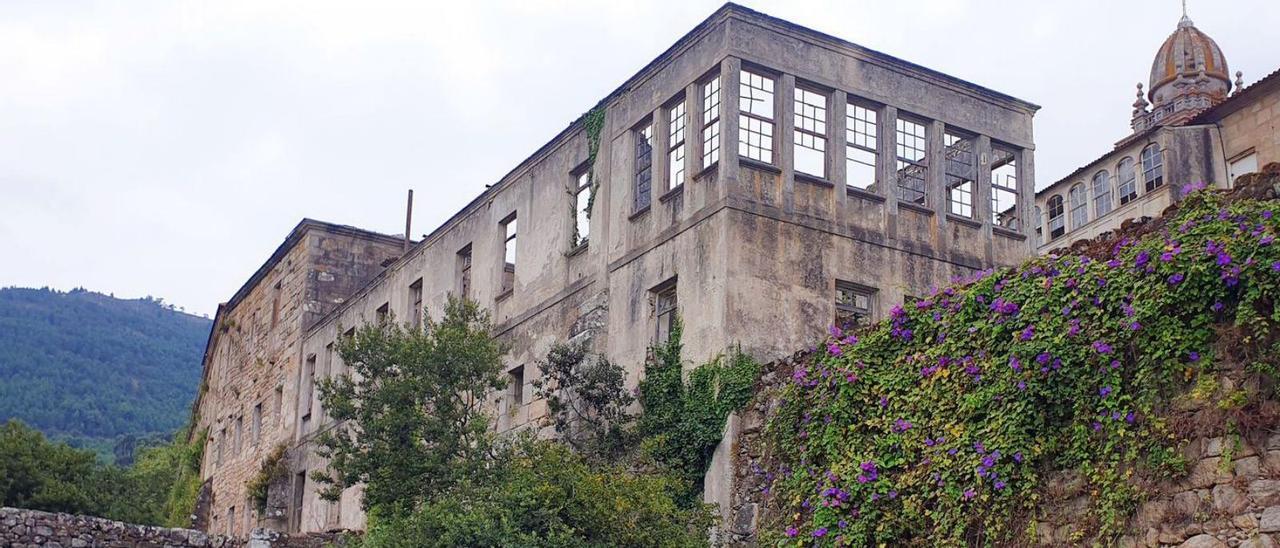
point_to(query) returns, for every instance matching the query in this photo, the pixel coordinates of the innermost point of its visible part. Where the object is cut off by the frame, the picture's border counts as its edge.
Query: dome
(1182, 59)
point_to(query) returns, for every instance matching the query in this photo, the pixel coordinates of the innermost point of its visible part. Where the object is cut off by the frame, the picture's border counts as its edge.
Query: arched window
(1079, 206)
(1128, 180)
(1152, 167)
(1057, 223)
(1101, 193)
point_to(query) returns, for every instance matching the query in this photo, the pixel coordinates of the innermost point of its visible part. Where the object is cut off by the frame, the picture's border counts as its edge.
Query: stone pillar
(982, 194)
(730, 75)
(784, 136)
(661, 149)
(936, 185)
(692, 131)
(837, 139)
(1027, 196)
(887, 168)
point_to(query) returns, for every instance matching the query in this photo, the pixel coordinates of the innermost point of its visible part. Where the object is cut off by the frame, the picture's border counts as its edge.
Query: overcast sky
(166, 148)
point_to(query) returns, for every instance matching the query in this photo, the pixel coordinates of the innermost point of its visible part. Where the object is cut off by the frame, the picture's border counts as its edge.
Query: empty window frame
(308, 387)
(643, 165)
(861, 131)
(415, 304)
(1101, 193)
(1004, 188)
(239, 434)
(509, 254)
(515, 382)
(811, 132)
(464, 272)
(222, 444)
(1152, 167)
(664, 311)
(755, 117)
(255, 427)
(1127, 177)
(1057, 218)
(275, 305)
(1079, 200)
(913, 161)
(854, 304)
(383, 314)
(299, 490)
(961, 172)
(711, 122)
(231, 521)
(677, 148)
(582, 207)
(277, 405)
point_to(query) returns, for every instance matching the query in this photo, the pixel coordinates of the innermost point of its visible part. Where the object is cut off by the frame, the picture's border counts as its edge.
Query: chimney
(408, 221)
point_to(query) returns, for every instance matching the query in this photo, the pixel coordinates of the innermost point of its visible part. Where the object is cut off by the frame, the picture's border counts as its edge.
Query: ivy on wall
(937, 425)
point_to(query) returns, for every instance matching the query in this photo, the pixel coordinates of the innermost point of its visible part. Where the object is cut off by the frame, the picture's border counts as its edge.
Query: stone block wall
(21, 528)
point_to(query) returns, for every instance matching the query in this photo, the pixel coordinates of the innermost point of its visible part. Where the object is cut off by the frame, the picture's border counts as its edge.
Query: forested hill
(94, 370)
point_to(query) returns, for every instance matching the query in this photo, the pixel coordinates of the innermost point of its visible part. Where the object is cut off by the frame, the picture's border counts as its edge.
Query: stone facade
(252, 359)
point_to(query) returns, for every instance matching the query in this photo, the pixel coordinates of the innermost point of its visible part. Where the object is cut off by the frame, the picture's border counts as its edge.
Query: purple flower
(834, 349)
(1275, 266)
(1134, 326)
(1129, 417)
(969, 493)
(821, 532)
(901, 425)
(1218, 306)
(1194, 356)
(792, 532)
(1017, 457)
(1176, 278)
(1022, 385)
(1014, 364)
(1028, 333)
(1101, 347)
(999, 485)
(842, 524)
(834, 331)
(1102, 392)
(1142, 259)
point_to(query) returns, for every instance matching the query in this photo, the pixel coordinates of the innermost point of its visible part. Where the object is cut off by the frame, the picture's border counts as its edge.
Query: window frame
(907, 165)
(711, 130)
(747, 117)
(852, 137)
(510, 231)
(1078, 209)
(1100, 189)
(954, 170)
(1152, 163)
(1057, 217)
(464, 271)
(642, 165)
(818, 134)
(1005, 183)
(415, 304)
(677, 143)
(862, 315)
(1126, 178)
(665, 308)
(581, 203)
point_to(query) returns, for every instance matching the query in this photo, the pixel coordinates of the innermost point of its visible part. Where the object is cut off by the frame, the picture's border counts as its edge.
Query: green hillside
(95, 370)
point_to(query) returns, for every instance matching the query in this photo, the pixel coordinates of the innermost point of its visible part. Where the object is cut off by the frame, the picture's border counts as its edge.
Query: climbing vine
(593, 124)
(938, 423)
(273, 469)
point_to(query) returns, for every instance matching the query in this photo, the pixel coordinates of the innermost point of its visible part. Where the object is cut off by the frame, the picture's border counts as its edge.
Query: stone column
(730, 75)
(1027, 195)
(837, 139)
(887, 168)
(784, 136)
(692, 131)
(982, 194)
(661, 147)
(936, 185)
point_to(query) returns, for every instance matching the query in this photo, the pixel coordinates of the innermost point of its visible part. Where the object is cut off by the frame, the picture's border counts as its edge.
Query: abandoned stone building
(755, 173)
(1189, 128)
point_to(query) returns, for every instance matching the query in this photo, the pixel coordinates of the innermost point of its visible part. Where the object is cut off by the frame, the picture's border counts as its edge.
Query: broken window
(509, 254)
(299, 490)
(1004, 188)
(711, 122)
(383, 313)
(1128, 177)
(755, 117)
(515, 382)
(913, 161)
(239, 434)
(811, 132)
(464, 272)
(1152, 167)
(664, 311)
(676, 123)
(1079, 206)
(278, 405)
(643, 166)
(231, 521)
(1101, 193)
(222, 443)
(415, 304)
(275, 306)
(1057, 222)
(853, 305)
(582, 208)
(860, 151)
(961, 173)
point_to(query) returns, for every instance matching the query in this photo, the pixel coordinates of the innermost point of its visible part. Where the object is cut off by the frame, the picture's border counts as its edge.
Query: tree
(411, 409)
(35, 473)
(587, 401)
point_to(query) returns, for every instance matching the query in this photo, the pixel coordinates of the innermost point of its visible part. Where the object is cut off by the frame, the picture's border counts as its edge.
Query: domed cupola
(1189, 74)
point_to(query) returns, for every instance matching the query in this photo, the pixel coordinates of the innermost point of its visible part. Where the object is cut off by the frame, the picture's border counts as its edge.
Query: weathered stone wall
(1256, 128)
(21, 528)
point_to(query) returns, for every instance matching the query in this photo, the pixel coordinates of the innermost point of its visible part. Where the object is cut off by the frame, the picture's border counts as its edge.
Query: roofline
(1241, 98)
(1094, 163)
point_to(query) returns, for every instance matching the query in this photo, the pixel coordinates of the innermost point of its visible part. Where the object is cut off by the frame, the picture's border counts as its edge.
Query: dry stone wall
(21, 528)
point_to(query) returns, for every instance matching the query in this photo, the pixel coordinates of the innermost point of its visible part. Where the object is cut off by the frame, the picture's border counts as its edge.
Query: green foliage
(587, 401)
(684, 422)
(543, 494)
(94, 370)
(593, 122)
(936, 425)
(413, 404)
(273, 469)
(43, 475)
